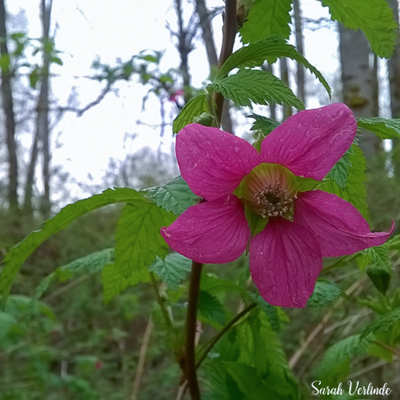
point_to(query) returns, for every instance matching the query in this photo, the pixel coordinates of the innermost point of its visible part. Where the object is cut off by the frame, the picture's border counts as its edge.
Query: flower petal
(311, 142)
(213, 162)
(210, 232)
(285, 261)
(338, 226)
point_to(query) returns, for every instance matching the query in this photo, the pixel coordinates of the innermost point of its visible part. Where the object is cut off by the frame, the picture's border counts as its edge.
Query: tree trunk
(394, 85)
(300, 48)
(208, 38)
(287, 110)
(43, 110)
(359, 83)
(8, 107)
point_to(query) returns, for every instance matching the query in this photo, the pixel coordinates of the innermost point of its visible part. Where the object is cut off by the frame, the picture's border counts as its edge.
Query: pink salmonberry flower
(236, 180)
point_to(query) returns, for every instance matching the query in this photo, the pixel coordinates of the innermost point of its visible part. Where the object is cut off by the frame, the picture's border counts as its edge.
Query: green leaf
(325, 293)
(389, 322)
(256, 53)
(175, 196)
(266, 18)
(354, 191)
(379, 266)
(172, 270)
(211, 310)
(382, 127)
(138, 238)
(393, 243)
(194, 108)
(270, 311)
(264, 124)
(373, 17)
(340, 171)
(6, 322)
(20, 252)
(114, 283)
(259, 87)
(215, 285)
(335, 365)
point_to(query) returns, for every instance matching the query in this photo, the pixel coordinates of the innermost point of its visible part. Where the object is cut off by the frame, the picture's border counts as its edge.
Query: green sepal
(306, 184)
(256, 222)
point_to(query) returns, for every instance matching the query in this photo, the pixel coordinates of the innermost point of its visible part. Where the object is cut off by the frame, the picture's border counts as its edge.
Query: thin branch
(320, 327)
(388, 348)
(66, 288)
(142, 359)
(222, 332)
(191, 317)
(229, 33)
(160, 300)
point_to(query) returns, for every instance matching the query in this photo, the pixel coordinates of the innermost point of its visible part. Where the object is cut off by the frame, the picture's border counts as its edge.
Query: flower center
(270, 190)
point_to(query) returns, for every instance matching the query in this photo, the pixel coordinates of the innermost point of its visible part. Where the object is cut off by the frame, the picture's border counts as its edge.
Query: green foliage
(255, 54)
(6, 323)
(264, 124)
(250, 362)
(325, 293)
(114, 283)
(175, 196)
(382, 127)
(20, 252)
(210, 310)
(340, 171)
(335, 365)
(373, 17)
(270, 311)
(172, 269)
(194, 108)
(354, 191)
(266, 18)
(214, 285)
(389, 322)
(259, 87)
(138, 240)
(89, 264)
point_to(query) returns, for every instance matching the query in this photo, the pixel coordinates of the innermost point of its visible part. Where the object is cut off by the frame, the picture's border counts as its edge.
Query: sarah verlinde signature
(352, 389)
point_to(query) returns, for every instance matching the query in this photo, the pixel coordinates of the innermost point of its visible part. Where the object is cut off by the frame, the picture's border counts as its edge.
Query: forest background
(77, 342)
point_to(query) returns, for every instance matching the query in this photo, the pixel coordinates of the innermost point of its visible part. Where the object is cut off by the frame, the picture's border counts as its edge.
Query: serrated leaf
(373, 17)
(194, 108)
(340, 171)
(325, 293)
(389, 322)
(266, 18)
(255, 86)
(354, 192)
(172, 269)
(174, 196)
(256, 53)
(264, 124)
(211, 310)
(20, 252)
(382, 127)
(335, 365)
(270, 311)
(138, 240)
(393, 243)
(114, 283)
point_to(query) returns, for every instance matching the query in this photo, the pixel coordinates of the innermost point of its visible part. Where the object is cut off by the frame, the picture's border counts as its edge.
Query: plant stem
(388, 348)
(222, 332)
(191, 318)
(229, 33)
(160, 301)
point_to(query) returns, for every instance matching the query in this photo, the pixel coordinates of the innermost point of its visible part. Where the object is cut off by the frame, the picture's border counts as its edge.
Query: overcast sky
(119, 29)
